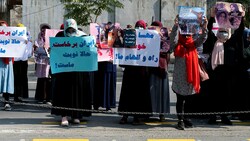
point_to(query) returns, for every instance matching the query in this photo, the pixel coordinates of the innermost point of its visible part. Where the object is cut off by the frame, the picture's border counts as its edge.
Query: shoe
(76, 121)
(226, 120)
(7, 107)
(64, 122)
(180, 125)
(162, 118)
(188, 123)
(49, 103)
(124, 120)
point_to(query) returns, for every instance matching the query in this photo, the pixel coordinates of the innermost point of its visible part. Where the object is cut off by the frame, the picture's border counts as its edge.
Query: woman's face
(3, 24)
(70, 30)
(222, 17)
(232, 7)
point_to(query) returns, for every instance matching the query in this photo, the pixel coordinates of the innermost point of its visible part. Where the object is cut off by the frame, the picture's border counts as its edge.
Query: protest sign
(228, 15)
(12, 41)
(146, 52)
(50, 33)
(105, 53)
(69, 54)
(190, 19)
(129, 38)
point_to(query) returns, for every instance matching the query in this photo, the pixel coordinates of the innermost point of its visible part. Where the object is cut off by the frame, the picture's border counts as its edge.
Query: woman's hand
(205, 22)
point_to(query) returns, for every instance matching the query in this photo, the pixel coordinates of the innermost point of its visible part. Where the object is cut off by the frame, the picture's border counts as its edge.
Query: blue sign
(73, 54)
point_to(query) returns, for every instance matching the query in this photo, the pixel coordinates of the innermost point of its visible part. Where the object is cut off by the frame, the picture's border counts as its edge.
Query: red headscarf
(5, 60)
(157, 23)
(186, 49)
(141, 23)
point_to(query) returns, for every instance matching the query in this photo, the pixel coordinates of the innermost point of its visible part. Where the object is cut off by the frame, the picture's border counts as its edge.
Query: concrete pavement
(25, 123)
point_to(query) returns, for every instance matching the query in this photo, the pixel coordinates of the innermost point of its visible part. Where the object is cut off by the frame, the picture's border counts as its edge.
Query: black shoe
(188, 123)
(180, 125)
(226, 120)
(161, 118)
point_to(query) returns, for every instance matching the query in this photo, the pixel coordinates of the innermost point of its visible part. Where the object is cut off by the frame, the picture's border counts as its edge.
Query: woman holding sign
(71, 89)
(43, 89)
(159, 84)
(186, 76)
(6, 76)
(228, 81)
(135, 91)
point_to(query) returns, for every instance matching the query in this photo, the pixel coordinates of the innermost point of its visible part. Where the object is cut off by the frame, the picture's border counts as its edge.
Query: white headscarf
(72, 23)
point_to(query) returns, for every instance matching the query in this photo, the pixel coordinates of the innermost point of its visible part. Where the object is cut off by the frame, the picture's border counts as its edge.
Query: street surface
(27, 123)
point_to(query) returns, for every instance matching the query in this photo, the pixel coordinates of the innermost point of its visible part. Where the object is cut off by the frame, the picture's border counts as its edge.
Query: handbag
(203, 71)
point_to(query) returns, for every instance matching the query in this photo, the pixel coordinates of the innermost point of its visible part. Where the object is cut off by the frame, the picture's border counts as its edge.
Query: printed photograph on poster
(190, 19)
(228, 15)
(106, 36)
(115, 37)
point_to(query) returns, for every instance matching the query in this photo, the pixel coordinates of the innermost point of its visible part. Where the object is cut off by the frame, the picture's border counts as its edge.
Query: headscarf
(157, 23)
(186, 49)
(44, 25)
(6, 60)
(41, 38)
(141, 23)
(71, 23)
(223, 35)
(1, 21)
(62, 26)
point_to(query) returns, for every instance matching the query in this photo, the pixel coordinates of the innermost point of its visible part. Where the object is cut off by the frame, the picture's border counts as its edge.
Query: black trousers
(181, 105)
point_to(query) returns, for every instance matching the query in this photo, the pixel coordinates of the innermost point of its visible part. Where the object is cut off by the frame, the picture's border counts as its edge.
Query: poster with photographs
(107, 34)
(228, 15)
(115, 37)
(190, 19)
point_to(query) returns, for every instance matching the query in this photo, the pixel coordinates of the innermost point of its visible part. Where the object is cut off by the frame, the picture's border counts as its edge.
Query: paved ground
(26, 122)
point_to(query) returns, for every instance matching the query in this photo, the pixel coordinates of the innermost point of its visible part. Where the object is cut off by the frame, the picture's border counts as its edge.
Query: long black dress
(228, 82)
(135, 91)
(71, 90)
(105, 86)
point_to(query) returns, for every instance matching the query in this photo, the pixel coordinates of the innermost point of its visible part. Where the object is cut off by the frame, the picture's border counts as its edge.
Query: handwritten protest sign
(50, 33)
(190, 19)
(12, 41)
(228, 15)
(69, 54)
(146, 52)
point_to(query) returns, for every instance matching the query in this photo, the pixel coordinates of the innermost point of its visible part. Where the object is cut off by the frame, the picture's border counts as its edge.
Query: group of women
(146, 89)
